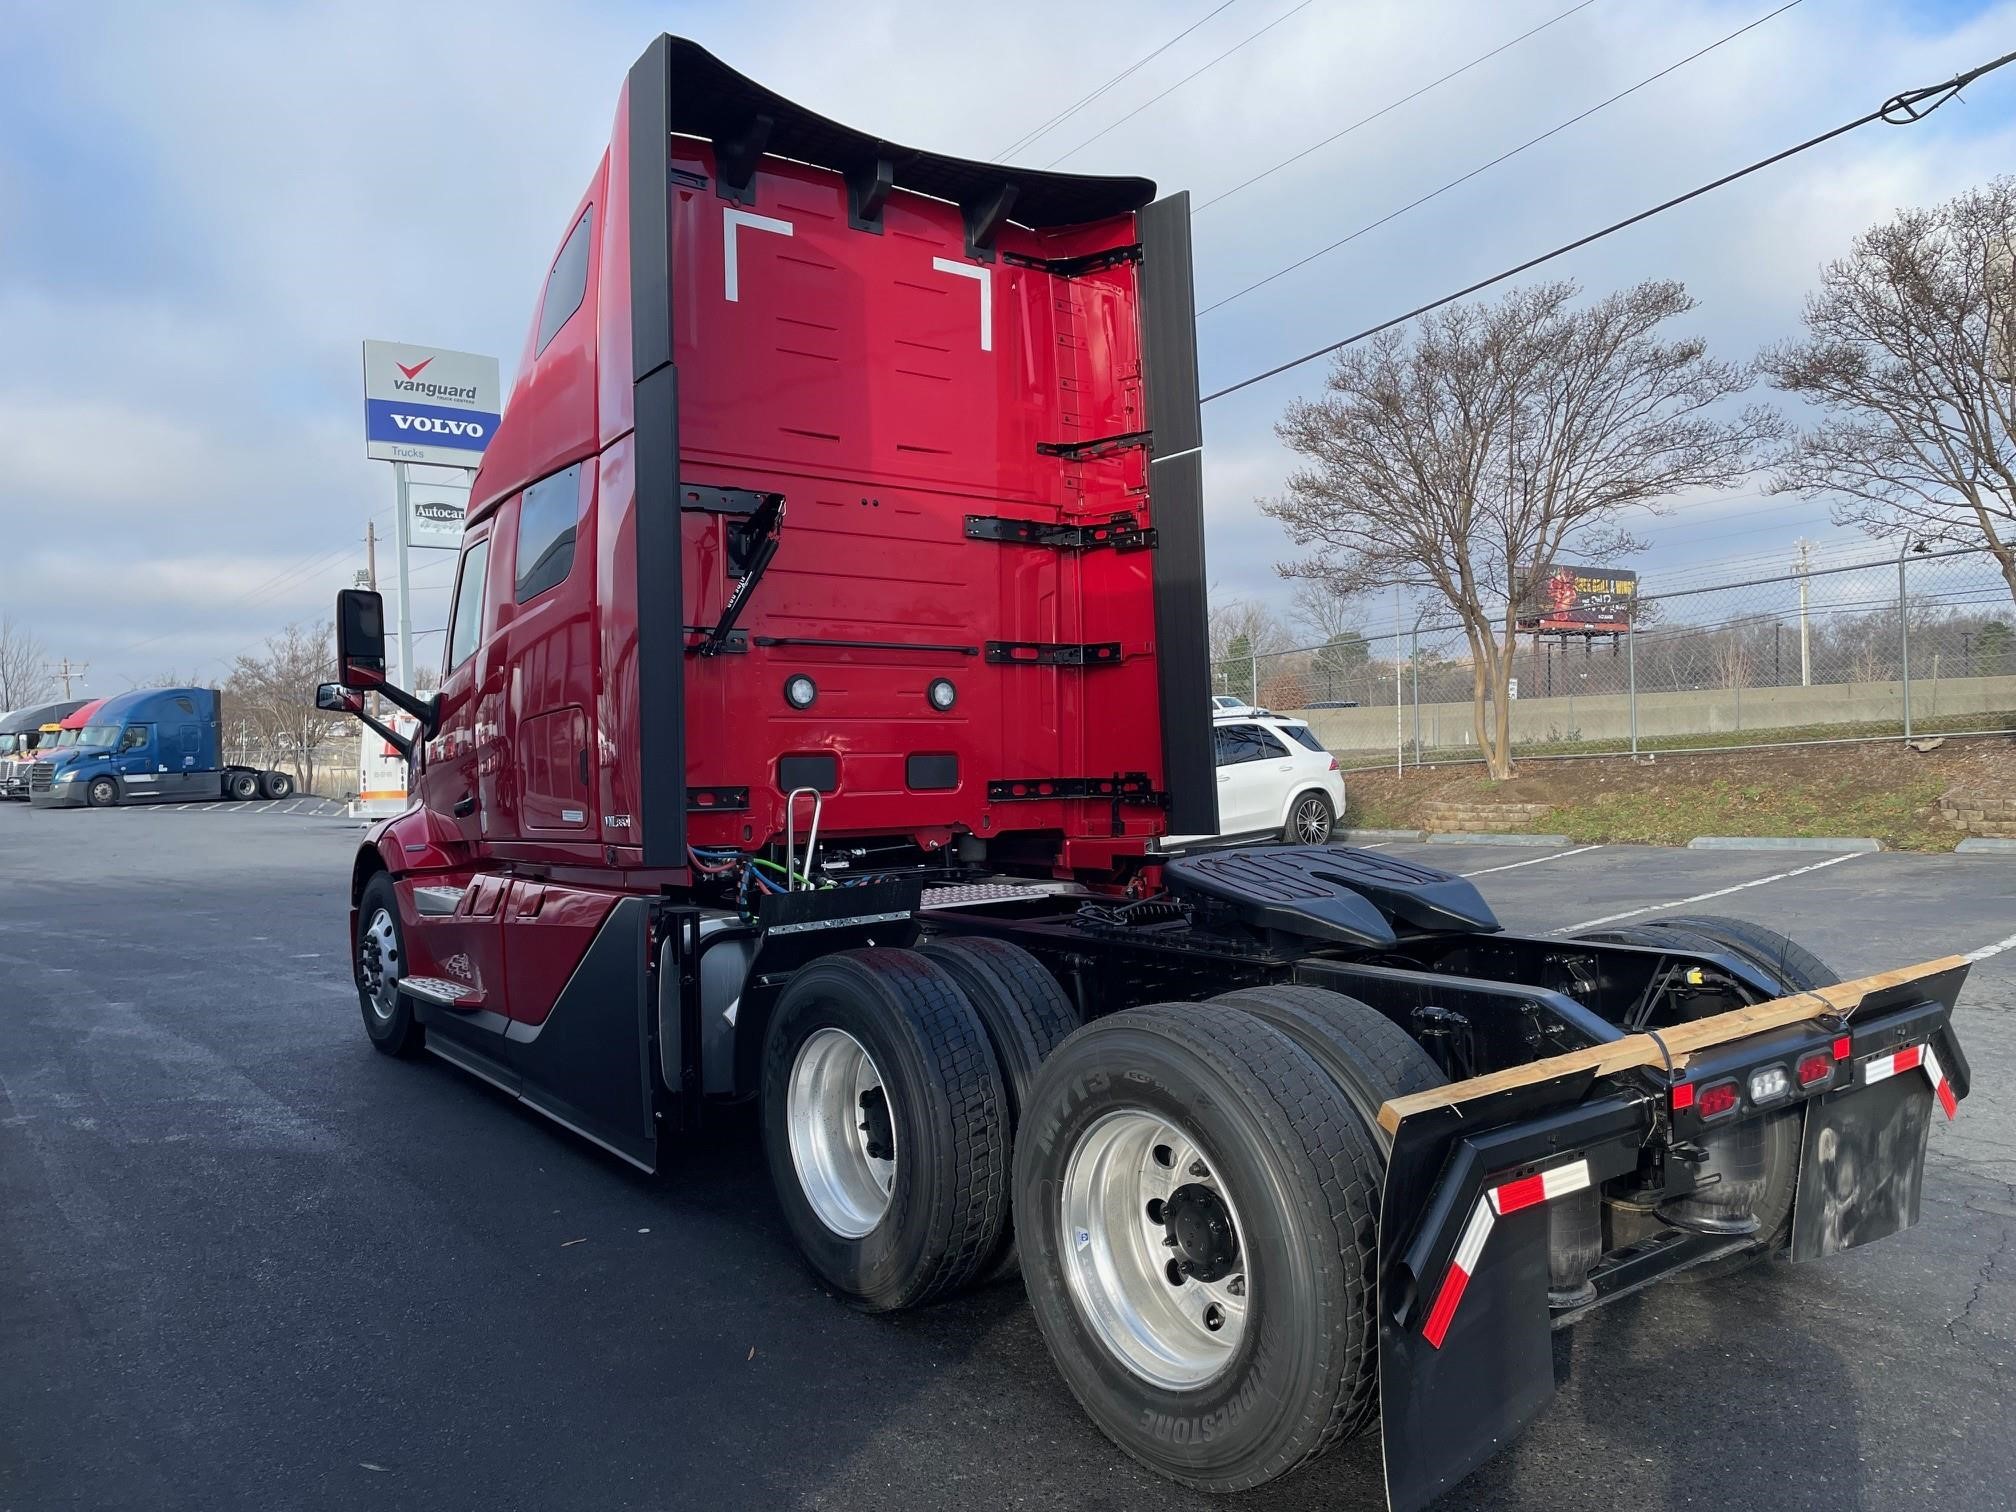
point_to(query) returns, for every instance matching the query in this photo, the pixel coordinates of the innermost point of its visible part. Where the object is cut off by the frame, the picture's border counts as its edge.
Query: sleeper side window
(566, 285)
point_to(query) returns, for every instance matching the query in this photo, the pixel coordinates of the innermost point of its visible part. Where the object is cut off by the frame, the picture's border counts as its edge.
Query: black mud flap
(1863, 1165)
(1465, 1362)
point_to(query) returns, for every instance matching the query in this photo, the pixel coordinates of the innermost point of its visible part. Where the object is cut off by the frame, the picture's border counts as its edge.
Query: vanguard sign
(424, 404)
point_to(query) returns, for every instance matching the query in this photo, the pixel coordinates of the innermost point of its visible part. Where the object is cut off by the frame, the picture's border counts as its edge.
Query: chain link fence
(1918, 645)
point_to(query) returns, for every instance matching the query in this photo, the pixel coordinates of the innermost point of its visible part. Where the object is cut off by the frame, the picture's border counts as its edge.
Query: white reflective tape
(1931, 1064)
(731, 276)
(1472, 1245)
(1880, 1069)
(980, 276)
(1572, 1177)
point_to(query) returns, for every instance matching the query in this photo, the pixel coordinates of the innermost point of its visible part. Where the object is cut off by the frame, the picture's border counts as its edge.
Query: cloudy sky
(205, 207)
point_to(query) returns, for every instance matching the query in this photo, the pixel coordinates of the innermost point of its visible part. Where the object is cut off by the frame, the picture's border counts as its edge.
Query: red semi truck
(828, 647)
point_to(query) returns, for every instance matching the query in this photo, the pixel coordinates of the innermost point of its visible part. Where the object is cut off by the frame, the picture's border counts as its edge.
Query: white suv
(1274, 779)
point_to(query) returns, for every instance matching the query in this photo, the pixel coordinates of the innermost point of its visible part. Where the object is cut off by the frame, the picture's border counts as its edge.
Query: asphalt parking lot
(245, 1262)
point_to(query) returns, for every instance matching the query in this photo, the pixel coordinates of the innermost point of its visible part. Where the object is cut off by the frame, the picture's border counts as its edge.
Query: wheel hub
(1201, 1233)
(842, 1132)
(1154, 1257)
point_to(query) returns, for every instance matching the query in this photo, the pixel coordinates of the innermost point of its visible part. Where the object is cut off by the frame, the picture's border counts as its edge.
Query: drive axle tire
(885, 1122)
(1249, 1345)
(378, 959)
(1370, 1057)
(276, 784)
(101, 792)
(1026, 1015)
(243, 786)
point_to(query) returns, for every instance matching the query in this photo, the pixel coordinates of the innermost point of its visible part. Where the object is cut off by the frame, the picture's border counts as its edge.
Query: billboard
(426, 404)
(1579, 601)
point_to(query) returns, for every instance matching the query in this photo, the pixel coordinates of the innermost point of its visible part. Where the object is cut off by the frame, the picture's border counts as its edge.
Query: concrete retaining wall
(1712, 711)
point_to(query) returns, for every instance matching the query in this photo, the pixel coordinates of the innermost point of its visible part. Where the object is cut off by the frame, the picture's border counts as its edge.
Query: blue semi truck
(155, 745)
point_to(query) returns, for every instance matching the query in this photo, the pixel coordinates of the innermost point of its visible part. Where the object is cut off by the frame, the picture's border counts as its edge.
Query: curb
(1979, 845)
(1493, 837)
(1842, 844)
(1353, 836)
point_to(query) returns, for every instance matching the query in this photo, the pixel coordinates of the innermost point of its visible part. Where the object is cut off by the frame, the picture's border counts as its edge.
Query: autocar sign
(424, 404)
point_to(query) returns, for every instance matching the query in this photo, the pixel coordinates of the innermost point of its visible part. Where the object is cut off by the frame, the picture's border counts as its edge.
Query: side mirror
(334, 698)
(360, 640)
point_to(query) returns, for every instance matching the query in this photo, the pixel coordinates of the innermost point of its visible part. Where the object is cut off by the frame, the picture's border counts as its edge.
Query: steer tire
(101, 792)
(243, 786)
(1795, 969)
(1298, 1368)
(276, 784)
(388, 1017)
(1026, 1015)
(944, 1107)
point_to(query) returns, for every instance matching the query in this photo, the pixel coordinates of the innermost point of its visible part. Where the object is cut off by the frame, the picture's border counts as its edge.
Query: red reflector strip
(1526, 1192)
(1683, 1096)
(1941, 1088)
(1914, 1058)
(1843, 1048)
(1507, 1197)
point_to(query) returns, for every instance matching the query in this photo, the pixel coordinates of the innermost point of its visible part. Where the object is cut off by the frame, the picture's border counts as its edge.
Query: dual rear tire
(891, 1085)
(1200, 1230)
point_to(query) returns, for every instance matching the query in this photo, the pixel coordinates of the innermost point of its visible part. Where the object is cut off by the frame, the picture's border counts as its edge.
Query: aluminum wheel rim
(1312, 821)
(378, 963)
(1179, 1335)
(837, 1134)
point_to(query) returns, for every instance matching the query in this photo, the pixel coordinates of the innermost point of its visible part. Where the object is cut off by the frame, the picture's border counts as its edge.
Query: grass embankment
(1887, 791)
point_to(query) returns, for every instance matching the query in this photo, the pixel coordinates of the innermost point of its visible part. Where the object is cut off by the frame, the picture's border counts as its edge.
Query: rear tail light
(1816, 1068)
(1714, 1101)
(1333, 764)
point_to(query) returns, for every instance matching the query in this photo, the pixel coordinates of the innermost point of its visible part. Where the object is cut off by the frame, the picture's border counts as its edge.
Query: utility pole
(371, 555)
(67, 670)
(1805, 624)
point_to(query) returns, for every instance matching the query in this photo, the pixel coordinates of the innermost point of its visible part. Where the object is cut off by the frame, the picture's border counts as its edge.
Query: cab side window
(134, 738)
(465, 625)
(546, 517)
(566, 285)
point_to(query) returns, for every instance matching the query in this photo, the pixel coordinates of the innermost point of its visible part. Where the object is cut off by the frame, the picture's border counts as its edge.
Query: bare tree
(24, 666)
(1908, 352)
(1466, 459)
(1323, 613)
(272, 696)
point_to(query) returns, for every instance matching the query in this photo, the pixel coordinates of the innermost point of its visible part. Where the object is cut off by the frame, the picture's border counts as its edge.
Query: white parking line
(1532, 861)
(184, 808)
(1989, 950)
(297, 806)
(1720, 892)
(270, 807)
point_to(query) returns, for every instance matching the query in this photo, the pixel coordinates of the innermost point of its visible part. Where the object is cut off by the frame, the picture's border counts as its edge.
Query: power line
(1899, 110)
(1254, 37)
(1387, 109)
(1502, 157)
(1064, 115)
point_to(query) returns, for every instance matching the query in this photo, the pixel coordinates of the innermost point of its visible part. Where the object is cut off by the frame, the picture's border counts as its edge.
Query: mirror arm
(391, 737)
(426, 710)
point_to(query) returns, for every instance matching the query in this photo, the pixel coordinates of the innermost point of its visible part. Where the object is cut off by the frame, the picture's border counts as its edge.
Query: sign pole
(404, 535)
